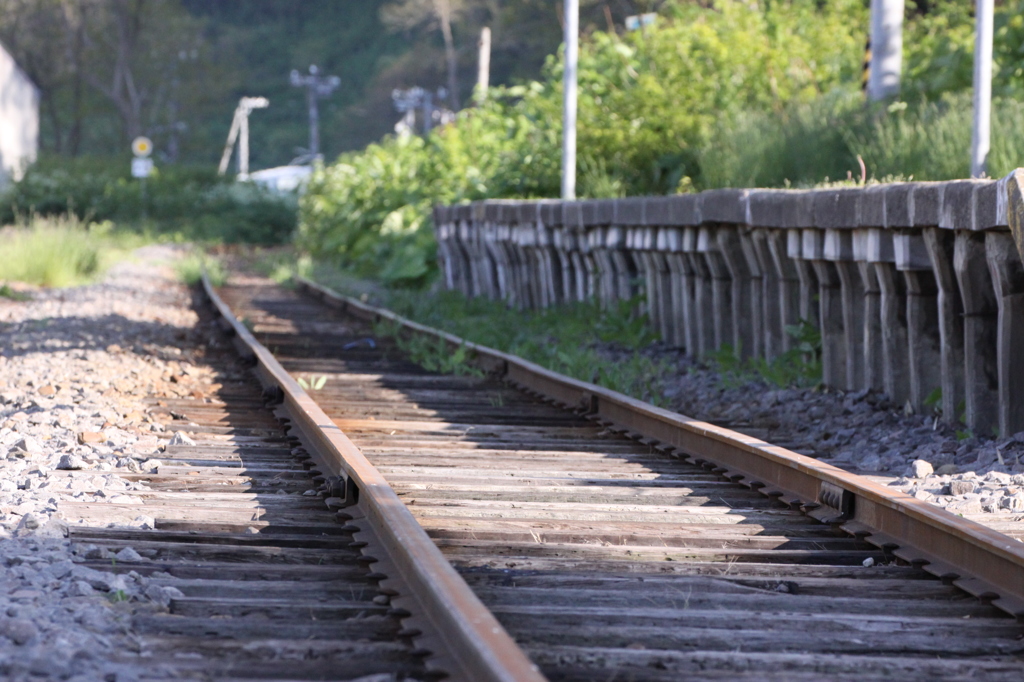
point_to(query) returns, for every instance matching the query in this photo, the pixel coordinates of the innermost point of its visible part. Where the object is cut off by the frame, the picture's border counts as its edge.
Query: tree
(430, 14)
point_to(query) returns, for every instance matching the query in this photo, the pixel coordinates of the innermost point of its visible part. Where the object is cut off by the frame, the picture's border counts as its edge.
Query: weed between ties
(581, 340)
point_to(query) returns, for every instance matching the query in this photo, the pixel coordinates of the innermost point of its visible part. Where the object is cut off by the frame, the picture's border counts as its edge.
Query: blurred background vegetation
(713, 94)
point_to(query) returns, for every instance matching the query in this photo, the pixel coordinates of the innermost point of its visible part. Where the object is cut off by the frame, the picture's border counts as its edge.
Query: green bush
(193, 202)
(648, 104)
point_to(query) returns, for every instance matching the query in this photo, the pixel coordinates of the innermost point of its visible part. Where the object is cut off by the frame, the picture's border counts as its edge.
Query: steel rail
(475, 644)
(979, 560)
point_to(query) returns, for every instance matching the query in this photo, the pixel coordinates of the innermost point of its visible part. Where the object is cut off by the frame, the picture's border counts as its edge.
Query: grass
(800, 366)
(60, 251)
(190, 269)
(580, 340)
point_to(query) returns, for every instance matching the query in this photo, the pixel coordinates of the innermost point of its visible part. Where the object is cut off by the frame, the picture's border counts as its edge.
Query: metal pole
(314, 123)
(980, 135)
(243, 146)
(572, 30)
(886, 49)
(483, 73)
(428, 112)
(225, 158)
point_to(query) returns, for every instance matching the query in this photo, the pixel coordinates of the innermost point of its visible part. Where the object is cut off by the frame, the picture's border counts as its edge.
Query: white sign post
(142, 165)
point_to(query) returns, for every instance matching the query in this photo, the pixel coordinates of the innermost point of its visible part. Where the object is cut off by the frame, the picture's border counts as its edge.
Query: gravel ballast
(865, 433)
(80, 370)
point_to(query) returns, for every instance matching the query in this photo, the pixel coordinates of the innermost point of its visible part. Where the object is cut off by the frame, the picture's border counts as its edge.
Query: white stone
(179, 438)
(71, 463)
(920, 468)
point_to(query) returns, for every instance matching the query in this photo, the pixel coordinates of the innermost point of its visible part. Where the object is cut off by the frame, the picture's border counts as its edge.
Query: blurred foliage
(581, 340)
(190, 202)
(60, 250)
(648, 104)
(724, 95)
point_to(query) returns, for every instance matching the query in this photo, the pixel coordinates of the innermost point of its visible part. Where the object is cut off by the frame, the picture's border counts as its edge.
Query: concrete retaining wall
(914, 286)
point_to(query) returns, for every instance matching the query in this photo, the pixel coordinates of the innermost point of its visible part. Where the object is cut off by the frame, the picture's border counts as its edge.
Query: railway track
(616, 542)
(264, 580)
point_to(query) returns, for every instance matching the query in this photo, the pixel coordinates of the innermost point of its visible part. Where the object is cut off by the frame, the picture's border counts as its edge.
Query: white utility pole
(483, 69)
(886, 49)
(980, 134)
(317, 88)
(572, 32)
(240, 129)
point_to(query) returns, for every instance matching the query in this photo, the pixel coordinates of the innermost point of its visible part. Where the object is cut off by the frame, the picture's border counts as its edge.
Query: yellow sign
(142, 146)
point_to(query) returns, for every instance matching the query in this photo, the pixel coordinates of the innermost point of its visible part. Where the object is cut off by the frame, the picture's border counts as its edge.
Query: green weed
(314, 383)
(190, 269)
(579, 340)
(800, 366)
(59, 251)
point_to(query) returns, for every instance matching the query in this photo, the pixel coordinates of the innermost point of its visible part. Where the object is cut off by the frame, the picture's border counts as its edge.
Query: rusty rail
(472, 644)
(982, 562)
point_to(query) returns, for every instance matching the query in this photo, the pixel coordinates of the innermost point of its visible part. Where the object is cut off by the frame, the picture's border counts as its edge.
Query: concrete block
(898, 205)
(895, 346)
(780, 208)
(478, 211)
(981, 332)
(812, 244)
(605, 211)
(508, 212)
(874, 367)
(957, 211)
(986, 206)
(1010, 206)
(794, 244)
(830, 315)
(684, 210)
(880, 247)
(546, 209)
(924, 342)
(772, 329)
(744, 293)
(1008, 282)
(656, 211)
(724, 206)
(527, 212)
(925, 203)
(798, 208)
(911, 252)
(871, 206)
(706, 240)
(629, 211)
(572, 214)
(588, 212)
(615, 237)
(951, 326)
(836, 208)
(838, 245)
(765, 208)
(860, 245)
(670, 239)
(690, 239)
(682, 322)
(852, 290)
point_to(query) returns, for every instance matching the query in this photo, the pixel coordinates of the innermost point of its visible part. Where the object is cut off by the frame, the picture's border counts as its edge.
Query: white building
(19, 119)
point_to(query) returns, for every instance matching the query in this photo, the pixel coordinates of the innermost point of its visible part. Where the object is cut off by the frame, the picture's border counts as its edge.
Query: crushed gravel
(81, 370)
(865, 433)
